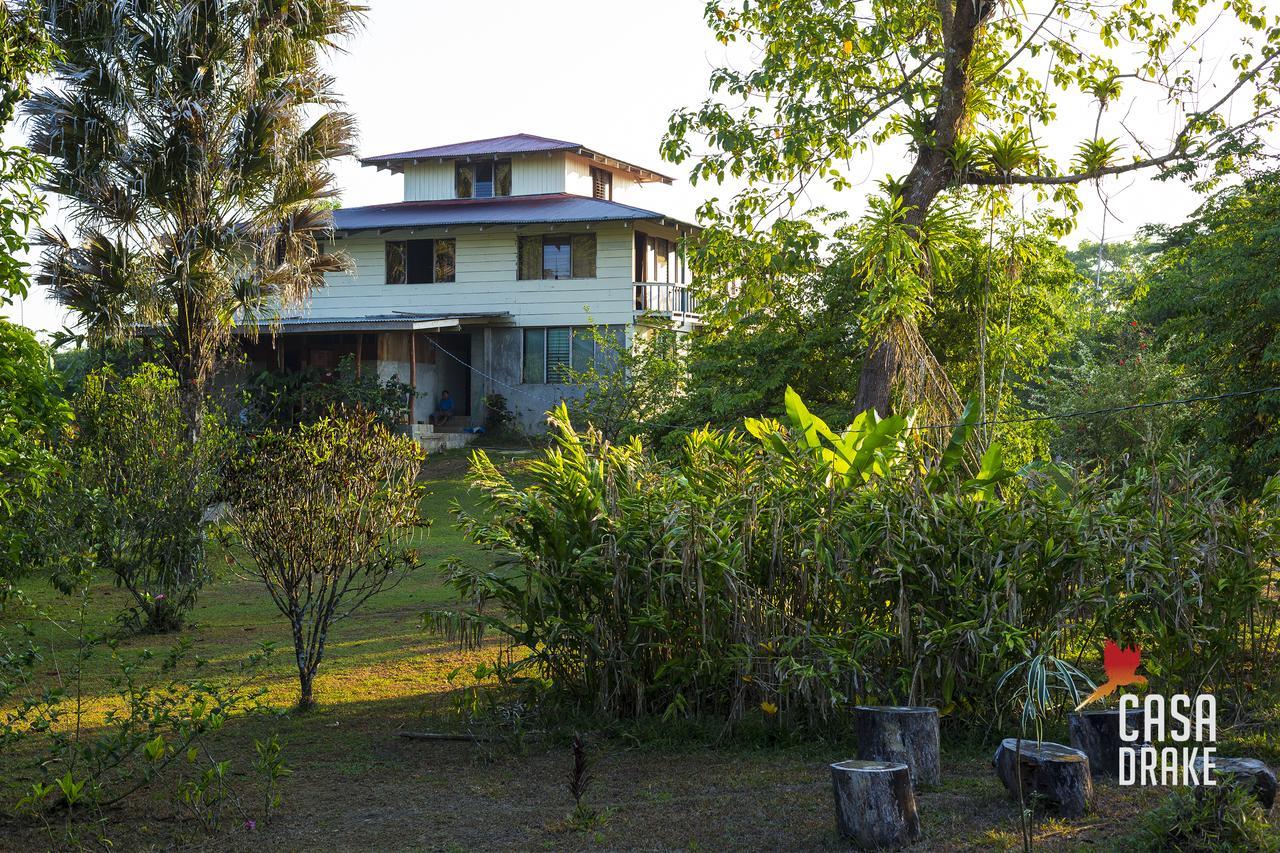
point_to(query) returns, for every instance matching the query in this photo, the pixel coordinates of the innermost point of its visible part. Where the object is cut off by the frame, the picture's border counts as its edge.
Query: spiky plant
(190, 143)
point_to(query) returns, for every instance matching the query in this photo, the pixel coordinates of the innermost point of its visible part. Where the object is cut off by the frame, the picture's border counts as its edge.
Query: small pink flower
(250, 824)
(159, 597)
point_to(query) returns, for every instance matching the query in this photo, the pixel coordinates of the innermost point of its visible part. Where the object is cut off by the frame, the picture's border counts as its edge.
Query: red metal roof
(516, 143)
(504, 210)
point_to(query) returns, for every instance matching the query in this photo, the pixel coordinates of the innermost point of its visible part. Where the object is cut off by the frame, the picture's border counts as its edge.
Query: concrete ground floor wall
(472, 363)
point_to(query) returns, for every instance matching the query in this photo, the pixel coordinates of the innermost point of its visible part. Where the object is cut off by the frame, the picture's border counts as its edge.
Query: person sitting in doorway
(444, 410)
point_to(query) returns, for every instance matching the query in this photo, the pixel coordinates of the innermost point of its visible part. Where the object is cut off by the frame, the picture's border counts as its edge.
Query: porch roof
(403, 321)
(505, 210)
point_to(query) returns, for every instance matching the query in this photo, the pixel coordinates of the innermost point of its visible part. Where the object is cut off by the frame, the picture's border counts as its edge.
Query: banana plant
(865, 448)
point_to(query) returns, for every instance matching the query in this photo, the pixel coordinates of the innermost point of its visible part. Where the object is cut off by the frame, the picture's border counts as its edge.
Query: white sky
(603, 73)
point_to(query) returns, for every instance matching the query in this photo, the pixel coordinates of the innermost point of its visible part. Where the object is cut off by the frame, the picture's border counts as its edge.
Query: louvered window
(551, 354)
(558, 354)
(602, 183)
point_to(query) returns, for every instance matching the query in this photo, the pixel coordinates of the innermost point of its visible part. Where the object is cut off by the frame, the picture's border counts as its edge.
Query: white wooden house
(487, 276)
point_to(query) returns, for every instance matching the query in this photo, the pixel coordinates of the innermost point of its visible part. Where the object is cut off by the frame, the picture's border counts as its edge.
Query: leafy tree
(32, 413)
(25, 49)
(148, 487)
(1214, 303)
(806, 336)
(325, 516)
(191, 143)
(1113, 277)
(959, 97)
(1006, 311)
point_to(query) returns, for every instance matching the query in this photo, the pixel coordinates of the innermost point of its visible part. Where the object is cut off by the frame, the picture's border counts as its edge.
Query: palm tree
(191, 142)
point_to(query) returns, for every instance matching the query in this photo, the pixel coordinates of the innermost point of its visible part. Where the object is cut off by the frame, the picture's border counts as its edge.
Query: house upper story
(544, 230)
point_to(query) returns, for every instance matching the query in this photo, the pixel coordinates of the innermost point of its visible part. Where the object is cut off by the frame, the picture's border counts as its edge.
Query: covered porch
(431, 353)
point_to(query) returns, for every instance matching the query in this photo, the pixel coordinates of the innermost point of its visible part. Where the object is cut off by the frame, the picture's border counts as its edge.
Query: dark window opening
(601, 183)
(420, 261)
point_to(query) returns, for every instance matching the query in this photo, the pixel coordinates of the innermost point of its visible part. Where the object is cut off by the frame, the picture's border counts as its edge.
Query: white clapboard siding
(485, 281)
(626, 189)
(531, 174)
(537, 174)
(428, 181)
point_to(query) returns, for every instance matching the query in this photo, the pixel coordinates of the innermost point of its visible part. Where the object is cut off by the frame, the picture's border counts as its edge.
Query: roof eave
(672, 221)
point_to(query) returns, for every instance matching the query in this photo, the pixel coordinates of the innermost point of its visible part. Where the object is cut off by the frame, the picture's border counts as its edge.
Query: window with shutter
(420, 261)
(395, 261)
(535, 355)
(530, 260)
(464, 180)
(601, 183)
(557, 354)
(446, 264)
(502, 177)
(584, 350)
(482, 178)
(584, 256)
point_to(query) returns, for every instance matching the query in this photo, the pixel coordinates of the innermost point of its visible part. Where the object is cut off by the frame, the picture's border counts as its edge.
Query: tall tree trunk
(928, 177)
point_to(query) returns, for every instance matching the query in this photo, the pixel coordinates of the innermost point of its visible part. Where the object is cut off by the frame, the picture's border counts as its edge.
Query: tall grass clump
(791, 570)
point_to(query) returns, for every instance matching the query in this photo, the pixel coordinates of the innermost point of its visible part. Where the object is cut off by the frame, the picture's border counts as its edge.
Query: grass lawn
(357, 785)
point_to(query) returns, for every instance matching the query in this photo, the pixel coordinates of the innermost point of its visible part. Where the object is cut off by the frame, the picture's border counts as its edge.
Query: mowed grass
(358, 785)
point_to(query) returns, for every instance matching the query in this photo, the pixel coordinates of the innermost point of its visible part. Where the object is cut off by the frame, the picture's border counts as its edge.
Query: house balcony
(676, 301)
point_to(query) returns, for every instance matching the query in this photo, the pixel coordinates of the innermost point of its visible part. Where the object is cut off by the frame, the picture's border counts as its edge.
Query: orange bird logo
(1122, 670)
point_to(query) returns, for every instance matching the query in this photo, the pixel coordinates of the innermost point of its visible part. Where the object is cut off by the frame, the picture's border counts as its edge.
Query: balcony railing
(673, 299)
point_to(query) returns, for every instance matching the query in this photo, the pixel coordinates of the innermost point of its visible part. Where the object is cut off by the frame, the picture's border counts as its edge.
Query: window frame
(577, 261)
(468, 164)
(574, 334)
(433, 254)
(598, 173)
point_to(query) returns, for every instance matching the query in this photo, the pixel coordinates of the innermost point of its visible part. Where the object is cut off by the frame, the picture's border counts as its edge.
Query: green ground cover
(358, 785)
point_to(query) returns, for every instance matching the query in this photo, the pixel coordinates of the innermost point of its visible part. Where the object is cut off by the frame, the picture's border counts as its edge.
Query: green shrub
(32, 414)
(148, 483)
(798, 571)
(301, 396)
(1205, 820)
(66, 766)
(325, 516)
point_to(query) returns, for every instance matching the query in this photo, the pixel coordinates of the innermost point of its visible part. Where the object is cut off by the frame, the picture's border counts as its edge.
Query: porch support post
(413, 375)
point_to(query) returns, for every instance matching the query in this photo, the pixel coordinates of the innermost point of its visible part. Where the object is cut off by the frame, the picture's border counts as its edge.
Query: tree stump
(875, 806)
(1246, 773)
(1057, 773)
(1097, 735)
(907, 735)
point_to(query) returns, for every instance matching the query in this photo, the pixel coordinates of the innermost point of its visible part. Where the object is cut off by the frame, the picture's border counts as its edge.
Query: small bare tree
(326, 515)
